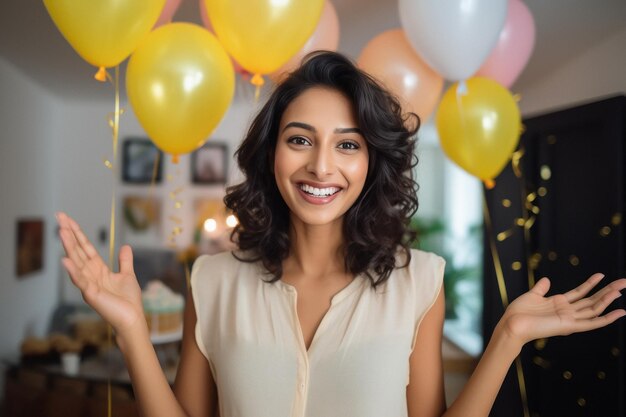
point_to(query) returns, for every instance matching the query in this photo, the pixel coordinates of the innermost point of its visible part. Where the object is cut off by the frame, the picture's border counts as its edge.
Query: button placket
(303, 360)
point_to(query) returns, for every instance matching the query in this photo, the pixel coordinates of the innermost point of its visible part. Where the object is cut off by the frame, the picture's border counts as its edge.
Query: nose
(321, 162)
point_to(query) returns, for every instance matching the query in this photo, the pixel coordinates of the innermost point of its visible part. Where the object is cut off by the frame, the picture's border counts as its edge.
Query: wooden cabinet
(574, 170)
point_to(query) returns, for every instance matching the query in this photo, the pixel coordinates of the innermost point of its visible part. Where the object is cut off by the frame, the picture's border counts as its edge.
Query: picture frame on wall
(209, 164)
(140, 159)
(29, 246)
(141, 220)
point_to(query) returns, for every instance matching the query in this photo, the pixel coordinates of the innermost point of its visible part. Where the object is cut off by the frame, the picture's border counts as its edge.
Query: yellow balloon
(104, 32)
(262, 35)
(479, 129)
(180, 81)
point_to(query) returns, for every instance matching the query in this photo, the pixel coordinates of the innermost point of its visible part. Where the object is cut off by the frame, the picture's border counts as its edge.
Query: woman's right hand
(115, 296)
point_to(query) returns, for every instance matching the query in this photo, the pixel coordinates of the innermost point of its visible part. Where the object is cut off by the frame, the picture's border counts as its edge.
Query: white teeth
(319, 192)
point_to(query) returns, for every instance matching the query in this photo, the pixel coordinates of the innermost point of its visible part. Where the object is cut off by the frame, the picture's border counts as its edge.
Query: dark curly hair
(377, 224)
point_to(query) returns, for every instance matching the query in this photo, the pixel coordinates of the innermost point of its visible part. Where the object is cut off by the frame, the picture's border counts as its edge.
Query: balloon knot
(175, 159)
(257, 80)
(461, 88)
(101, 75)
(489, 184)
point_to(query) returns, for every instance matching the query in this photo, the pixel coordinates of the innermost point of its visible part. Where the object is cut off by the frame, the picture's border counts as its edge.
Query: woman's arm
(530, 316)
(117, 298)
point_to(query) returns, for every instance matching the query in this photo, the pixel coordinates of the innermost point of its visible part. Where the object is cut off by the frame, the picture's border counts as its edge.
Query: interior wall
(86, 186)
(595, 73)
(30, 124)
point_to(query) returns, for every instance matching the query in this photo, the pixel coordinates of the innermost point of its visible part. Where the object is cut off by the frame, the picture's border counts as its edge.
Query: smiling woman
(328, 125)
(323, 310)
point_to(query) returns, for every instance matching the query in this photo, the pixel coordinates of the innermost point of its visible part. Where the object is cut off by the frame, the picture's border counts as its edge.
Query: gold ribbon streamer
(114, 123)
(505, 300)
(258, 81)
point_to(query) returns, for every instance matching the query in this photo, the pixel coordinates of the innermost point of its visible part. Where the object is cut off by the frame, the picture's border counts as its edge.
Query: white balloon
(454, 37)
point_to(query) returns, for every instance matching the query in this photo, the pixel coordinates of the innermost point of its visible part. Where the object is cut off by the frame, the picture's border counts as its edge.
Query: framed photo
(29, 250)
(141, 220)
(140, 159)
(209, 164)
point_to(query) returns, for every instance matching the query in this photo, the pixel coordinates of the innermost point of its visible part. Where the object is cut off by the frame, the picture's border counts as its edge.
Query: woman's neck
(316, 251)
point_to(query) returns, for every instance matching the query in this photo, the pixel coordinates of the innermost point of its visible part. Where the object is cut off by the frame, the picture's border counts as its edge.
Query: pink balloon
(515, 44)
(168, 12)
(325, 37)
(207, 24)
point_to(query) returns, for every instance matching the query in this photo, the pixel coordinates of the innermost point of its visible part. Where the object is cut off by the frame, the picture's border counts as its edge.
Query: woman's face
(321, 157)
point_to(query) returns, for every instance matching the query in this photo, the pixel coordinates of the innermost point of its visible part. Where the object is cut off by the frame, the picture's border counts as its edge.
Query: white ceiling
(565, 28)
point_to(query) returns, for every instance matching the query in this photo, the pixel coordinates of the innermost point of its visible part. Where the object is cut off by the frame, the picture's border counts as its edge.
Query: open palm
(115, 296)
(533, 315)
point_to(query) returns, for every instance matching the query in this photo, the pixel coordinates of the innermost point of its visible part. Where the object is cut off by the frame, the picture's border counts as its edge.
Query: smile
(319, 192)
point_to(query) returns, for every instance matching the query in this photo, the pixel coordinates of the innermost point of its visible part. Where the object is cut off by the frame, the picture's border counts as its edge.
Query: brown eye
(298, 140)
(349, 145)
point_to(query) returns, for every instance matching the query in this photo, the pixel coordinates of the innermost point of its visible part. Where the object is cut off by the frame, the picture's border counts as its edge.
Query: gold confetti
(506, 202)
(601, 375)
(175, 192)
(535, 210)
(519, 221)
(605, 231)
(616, 219)
(540, 343)
(531, 197)
(175, 219)
(615, 351)
(529, 223)
(552, 255)
(567, 375)
(551, 139)
(504, 235)
(573, 259)
(581, 402)
(178, 204)
(545, 172)
(534, 260)
(516, 266)
(542, 191)
(539, 361)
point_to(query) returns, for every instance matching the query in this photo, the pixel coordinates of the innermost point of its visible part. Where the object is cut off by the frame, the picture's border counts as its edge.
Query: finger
(74, 273)
(541, 287)
(598, 322)
(126, 260)
(584, 288)
(85, 244)
(71, 248)
(617, 285)
(598, 307)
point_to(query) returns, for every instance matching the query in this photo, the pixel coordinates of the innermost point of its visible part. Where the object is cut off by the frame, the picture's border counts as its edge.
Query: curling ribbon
(258, 81)
(505, 301)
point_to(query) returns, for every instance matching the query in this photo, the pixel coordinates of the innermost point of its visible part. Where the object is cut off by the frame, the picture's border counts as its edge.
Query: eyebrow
(308, 127)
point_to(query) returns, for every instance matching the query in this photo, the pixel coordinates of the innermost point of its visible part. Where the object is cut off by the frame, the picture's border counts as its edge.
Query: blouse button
(302, 386)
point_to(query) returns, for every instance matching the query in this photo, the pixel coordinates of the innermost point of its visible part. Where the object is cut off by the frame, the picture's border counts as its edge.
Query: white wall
(29, 121)
(85, 185)
(598, 72)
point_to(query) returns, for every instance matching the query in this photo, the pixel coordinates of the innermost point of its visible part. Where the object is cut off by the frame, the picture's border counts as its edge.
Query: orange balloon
(325, 37)
(390, 58)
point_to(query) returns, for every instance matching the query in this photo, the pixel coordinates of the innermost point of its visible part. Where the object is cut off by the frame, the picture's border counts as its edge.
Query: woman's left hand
(533, 315)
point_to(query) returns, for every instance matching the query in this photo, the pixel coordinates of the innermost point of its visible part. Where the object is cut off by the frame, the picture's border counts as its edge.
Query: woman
(324, 310)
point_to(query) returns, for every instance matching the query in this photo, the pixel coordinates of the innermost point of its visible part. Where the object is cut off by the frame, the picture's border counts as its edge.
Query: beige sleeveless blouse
(357, 364)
